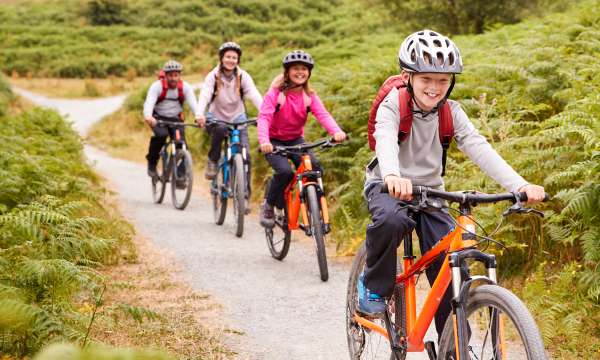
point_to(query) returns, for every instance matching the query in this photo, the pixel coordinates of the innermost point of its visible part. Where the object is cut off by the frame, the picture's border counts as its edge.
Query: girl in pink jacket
(281, 121)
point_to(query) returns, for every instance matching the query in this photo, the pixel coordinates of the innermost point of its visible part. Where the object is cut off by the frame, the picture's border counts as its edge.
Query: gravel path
(283, 309)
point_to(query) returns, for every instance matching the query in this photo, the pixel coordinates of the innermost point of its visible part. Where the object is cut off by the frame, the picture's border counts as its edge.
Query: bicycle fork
(461, 284)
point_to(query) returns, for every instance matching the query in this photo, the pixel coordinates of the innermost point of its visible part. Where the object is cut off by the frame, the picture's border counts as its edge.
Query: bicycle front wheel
(316, 225)
(182, 179)
(218, 199)
(159, 182)
(239, 191)
(499, 327)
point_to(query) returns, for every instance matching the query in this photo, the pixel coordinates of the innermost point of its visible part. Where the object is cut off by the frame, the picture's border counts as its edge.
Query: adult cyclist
(164, 101)
(224, 90)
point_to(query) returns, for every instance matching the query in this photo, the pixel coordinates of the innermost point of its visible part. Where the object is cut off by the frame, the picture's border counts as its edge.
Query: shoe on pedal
(267, 215)
(180, 184)
(247, 208)
(369, 303)
(211, 170)
(152, 170)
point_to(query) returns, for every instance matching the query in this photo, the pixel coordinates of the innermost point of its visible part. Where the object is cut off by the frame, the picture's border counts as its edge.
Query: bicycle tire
(357, 337)
(159, 183)
(219, 201)
(511, 307)
(316, 225)
(188, 179)
(239, 191)
(273, 236)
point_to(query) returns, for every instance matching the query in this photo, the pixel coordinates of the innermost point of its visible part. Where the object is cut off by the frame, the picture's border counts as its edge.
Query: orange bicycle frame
(416, 327)
(296, 206)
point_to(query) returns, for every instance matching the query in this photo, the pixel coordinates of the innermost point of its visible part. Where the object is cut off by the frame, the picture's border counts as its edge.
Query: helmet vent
(437, 43)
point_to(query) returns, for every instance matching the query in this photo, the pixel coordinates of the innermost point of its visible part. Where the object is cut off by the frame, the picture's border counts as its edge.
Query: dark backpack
(446, 125)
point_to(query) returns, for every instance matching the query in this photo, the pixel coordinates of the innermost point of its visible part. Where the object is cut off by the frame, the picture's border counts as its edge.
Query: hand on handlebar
(535, 193)
(399, 187)
(151, 121)
(339, 136)
(201, 121)
(266, 148)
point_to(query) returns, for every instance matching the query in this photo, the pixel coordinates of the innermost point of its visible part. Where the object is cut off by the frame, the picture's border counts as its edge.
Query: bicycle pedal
(326, 228)
(430, 348)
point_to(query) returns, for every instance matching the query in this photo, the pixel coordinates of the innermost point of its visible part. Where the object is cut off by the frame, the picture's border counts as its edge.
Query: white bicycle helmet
(172, 65)
(298, 56)
(429, 52)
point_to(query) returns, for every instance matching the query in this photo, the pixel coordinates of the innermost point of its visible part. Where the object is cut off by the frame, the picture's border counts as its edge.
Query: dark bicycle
(231, 181)
(175, 166)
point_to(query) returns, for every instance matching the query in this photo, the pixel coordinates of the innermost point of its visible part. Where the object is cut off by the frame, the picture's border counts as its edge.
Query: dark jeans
(389, 223)
(158, 140)
(283, 171)
(217, 133)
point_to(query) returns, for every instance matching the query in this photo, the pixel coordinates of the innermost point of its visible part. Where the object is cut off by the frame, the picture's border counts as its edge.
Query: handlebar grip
(416, 189)
(523, 197)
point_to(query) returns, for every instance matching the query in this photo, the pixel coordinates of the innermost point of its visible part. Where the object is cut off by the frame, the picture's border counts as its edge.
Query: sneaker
(369, 303)
(267, 216)
(211, 170)
(180, 184)
(152, 170)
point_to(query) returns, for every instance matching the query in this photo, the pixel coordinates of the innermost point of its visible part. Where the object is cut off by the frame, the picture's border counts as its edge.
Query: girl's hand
(339, 136)
(535, 193)
(266, 148)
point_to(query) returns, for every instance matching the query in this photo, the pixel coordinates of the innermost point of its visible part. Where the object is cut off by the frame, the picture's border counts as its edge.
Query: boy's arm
(482, 154)
(386, 135)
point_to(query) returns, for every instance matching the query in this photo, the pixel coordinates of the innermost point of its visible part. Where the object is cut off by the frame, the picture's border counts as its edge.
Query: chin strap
(435, 109)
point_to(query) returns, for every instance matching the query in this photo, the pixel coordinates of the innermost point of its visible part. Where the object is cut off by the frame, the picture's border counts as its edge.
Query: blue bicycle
(230, 182)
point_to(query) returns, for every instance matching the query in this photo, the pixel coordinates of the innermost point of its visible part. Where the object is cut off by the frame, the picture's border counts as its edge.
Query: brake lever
(518, 209)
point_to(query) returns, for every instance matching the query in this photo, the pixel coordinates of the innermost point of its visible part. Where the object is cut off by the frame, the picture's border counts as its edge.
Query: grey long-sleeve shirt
(170, 106)
(419, 156)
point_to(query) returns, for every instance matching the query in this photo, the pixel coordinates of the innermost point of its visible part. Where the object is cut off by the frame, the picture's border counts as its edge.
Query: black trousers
(389, 223)
(158, 140)
(283, 171)
(217, 133)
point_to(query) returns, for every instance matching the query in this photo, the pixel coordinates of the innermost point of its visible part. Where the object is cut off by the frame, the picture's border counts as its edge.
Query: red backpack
(165, 87)
(446, 125)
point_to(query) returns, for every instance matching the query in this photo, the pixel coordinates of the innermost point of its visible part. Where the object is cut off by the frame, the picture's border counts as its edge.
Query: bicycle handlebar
(163, 123)
(468, 197)
(302, 148)
(232, 124)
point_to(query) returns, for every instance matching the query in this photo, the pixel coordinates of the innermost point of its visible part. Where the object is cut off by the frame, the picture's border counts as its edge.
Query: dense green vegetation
(530, 88)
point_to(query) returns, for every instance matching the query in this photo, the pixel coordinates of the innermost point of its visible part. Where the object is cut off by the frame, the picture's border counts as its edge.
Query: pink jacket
(288, 123)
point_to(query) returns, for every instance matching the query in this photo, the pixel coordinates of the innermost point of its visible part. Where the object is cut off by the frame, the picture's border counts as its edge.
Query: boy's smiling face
(429, 88)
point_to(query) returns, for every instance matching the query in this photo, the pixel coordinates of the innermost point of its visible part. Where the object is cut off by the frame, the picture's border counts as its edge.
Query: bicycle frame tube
(417, 327)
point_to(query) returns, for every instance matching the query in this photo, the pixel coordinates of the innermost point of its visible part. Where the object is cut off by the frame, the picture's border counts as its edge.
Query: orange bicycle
(305, 206)
(487, 321)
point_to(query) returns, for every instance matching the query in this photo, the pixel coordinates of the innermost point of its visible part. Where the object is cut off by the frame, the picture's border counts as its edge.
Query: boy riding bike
(281, 123)
(224, 90)
(414, 153)
(164, 101)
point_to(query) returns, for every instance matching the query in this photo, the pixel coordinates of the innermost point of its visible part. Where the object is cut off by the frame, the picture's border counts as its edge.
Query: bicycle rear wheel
(239, 191)
(316, 226)
(182, 179)
(159, 182)
(278, 237)
(218, 199)
(364, 343)
(500, 327)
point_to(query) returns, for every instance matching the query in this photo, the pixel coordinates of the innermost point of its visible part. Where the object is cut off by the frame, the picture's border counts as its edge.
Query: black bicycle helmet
(298, 57)
(427, 51)
(230, 45)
